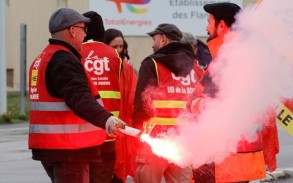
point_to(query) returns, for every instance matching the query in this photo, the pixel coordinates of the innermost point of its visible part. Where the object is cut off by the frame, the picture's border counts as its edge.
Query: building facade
(35, 15)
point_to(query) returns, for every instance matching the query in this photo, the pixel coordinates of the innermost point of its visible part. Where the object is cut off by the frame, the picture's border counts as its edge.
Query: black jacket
(177, 57)
(66, 79)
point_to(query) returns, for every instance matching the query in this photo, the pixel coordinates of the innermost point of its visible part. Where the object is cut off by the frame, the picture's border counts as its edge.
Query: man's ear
(165, 40)
(222, 27)
(72, 31)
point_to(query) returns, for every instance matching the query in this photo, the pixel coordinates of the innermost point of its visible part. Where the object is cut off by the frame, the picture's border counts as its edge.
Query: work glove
(112, 125)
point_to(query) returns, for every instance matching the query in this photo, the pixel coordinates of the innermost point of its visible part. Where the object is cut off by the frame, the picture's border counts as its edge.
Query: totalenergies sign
(129, 5)
(136, 17)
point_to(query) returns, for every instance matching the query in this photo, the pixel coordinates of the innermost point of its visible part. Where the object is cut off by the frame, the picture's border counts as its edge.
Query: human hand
(197, 105)
(112, 125)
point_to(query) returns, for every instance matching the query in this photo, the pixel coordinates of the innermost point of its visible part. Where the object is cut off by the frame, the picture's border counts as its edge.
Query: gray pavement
(16, 165)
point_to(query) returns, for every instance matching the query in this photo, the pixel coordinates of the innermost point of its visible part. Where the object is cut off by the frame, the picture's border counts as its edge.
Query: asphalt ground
(21, 157)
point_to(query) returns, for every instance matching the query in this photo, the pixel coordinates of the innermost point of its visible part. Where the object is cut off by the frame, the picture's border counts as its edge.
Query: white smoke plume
(253, 71)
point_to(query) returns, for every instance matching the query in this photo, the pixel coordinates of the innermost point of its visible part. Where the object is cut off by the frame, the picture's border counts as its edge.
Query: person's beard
(212, 36)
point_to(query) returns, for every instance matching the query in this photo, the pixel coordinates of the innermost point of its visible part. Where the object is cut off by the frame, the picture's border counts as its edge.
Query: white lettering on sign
(95, 64)
(135, 18)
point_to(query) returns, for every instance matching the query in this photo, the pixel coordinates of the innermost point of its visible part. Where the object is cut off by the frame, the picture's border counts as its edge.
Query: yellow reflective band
(115, 113)
(169, 121)
(169, 104)
(110, 94)
(285, 118)
(157, 71)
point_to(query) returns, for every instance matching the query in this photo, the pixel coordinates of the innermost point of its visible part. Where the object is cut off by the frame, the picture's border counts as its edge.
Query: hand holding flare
(147, 128)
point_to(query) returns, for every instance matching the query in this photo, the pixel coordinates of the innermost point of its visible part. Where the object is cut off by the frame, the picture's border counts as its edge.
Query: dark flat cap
(95, 28)
(64, 18)
(169, 30)
(223, 11)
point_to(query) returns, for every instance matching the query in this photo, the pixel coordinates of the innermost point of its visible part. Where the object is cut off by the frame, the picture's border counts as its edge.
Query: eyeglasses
(84, 28)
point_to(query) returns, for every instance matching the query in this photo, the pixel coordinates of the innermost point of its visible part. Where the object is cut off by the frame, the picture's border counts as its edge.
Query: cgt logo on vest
(129, 5)
(185, 80)
(96, 64)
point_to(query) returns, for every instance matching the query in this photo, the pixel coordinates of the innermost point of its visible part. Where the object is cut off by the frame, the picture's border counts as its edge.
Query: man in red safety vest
(107, 71)
(166, 80)
(67, 124)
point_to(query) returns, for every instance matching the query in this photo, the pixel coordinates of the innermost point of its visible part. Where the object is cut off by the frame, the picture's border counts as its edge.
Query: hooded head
(95, 28)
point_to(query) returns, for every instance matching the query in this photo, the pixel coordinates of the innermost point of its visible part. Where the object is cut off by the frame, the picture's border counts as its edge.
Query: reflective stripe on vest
(110, 94)
(53, 106)
(115, 113)
(169, 121)
(49, 106)
(165, 104)
(169, 104)
(64, 129)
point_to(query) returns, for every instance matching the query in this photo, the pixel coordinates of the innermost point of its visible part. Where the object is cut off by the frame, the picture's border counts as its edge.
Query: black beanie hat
(95, 28)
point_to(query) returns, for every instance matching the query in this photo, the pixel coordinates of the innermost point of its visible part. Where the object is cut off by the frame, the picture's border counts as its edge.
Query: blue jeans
(60, 172)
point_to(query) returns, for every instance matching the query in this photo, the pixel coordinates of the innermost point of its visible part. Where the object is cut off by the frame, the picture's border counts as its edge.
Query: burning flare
(167, 148)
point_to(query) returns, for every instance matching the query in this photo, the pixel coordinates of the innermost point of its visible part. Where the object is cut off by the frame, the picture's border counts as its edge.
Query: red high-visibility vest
(52, 124)
(170, 97)
(104, 67)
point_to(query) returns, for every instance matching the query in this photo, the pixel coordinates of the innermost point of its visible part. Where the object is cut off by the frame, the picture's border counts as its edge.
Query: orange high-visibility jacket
(248, 163)
(52, 124)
